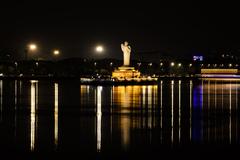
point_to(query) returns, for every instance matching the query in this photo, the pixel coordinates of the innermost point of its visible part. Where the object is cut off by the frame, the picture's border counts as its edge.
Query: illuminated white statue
(126, 53)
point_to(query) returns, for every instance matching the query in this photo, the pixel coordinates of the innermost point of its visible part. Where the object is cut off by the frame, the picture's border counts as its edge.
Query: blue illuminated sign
(197, 58)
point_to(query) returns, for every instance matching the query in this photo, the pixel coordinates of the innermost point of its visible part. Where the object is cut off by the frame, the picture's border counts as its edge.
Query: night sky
(151, 29)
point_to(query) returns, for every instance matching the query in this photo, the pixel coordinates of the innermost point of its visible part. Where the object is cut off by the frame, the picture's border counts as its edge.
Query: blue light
(197, 114)
(197, 58)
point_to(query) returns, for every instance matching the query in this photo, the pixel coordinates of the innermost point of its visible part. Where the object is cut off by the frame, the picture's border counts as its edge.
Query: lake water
(175, 116)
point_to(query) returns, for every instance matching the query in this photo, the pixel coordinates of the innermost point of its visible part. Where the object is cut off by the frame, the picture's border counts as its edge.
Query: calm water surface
(64, 116)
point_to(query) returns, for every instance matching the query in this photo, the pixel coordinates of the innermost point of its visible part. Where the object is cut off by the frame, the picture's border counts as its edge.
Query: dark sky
(75, 28)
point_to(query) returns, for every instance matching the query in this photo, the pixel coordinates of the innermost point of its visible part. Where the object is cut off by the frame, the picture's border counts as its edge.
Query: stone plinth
(125, 73)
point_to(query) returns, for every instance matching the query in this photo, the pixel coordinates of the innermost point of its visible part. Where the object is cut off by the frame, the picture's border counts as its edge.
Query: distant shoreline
(110, 82)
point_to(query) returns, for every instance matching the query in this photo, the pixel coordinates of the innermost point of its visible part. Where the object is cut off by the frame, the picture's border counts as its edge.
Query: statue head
(125, 43)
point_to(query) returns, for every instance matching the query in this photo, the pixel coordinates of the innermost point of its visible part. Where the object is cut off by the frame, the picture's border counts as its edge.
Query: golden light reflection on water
(140, 109)
(127, 97)
(208, 98)
(85, 94)
(221, 96)
(125, 131)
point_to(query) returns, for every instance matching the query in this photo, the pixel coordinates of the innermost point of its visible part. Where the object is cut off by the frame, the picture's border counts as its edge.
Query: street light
(56, 52)
(31, 47)
(99, 49)
(172, 64)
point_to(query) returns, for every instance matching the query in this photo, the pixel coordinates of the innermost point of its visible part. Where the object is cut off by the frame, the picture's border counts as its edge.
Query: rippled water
(64, 116)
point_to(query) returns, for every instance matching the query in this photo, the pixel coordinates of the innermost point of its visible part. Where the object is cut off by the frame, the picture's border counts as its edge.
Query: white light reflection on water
(99, 118)
(33, 118)
(172, 108)
(15, 94)
(1, 98)
(161, 114)
(190, 106)
(179, 110)
(56, 114)
(15, 107)
(216, 96)
(144, 95)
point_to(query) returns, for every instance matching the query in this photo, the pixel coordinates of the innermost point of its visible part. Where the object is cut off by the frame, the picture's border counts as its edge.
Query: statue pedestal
(125, 73)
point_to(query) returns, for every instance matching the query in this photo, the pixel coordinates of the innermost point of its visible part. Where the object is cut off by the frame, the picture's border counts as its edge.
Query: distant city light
(99, 49)
(172, 64)
(179, 64)
(161, 64)
(190, 65)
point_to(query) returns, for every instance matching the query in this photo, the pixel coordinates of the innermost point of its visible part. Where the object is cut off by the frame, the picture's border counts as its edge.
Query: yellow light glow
(32, 47)
(219, 70)
(56, 52)
(179, 64)
(99, 49)
(172, 64)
